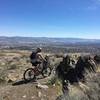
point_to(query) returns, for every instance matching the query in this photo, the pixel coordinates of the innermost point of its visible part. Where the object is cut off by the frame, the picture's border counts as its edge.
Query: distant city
(51, 44)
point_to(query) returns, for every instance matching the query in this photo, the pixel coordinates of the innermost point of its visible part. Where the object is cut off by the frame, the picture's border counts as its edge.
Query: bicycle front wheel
(46, 72)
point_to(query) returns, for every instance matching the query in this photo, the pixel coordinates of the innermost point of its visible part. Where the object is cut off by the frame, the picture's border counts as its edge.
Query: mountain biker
(37, 57)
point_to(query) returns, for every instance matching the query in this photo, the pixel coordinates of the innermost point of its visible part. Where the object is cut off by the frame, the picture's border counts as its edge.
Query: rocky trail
(21, 90)
(28, 91)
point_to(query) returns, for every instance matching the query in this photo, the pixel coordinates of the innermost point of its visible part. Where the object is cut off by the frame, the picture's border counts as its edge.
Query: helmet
(39, 49)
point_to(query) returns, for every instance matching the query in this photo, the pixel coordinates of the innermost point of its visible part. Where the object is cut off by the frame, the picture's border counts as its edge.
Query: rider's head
(38, 49)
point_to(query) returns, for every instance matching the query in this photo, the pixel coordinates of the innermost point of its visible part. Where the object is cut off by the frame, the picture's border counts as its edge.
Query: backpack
(33, 55)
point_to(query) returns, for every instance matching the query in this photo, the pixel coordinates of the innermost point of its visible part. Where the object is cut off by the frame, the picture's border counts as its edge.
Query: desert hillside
(13, 63)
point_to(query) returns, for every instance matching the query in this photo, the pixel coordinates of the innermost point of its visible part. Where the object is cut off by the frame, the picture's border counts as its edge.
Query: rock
(12, 77)
(24, 96)
(2, 63)
(10, 81)
(54, 85)
(39, 94)
(5, 98)
(32, 97)
(42, 99)
(42, 86)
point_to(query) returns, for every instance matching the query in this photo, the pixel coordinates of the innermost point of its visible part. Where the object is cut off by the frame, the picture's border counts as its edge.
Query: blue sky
(50, 18)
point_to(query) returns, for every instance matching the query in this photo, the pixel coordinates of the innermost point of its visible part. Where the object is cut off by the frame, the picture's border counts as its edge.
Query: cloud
(94, 5)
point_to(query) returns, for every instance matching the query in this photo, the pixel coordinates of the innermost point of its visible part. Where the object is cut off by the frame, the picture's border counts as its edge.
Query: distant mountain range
(45, 40)
(51, 44)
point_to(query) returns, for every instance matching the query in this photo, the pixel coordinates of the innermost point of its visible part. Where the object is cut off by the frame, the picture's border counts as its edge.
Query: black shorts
(35, 63)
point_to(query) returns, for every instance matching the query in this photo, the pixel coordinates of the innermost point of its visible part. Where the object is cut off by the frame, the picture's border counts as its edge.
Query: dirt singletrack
(27, 91)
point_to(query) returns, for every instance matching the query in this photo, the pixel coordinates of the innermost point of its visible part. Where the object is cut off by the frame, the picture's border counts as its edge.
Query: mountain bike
(32, 73)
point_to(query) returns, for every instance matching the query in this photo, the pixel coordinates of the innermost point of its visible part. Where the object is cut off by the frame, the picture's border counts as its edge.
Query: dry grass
(14, 62)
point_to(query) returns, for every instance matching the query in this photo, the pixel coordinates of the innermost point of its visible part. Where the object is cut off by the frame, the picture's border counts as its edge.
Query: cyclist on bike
(40, 65)
(37, 57)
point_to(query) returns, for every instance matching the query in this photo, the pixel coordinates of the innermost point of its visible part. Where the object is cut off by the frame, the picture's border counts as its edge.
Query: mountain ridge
(19, 39)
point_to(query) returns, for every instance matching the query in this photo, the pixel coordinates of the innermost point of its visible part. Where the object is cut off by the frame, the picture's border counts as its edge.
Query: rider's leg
(45, 65)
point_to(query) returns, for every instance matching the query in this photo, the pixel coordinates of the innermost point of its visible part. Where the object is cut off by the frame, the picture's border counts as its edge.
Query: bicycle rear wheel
(29, 74)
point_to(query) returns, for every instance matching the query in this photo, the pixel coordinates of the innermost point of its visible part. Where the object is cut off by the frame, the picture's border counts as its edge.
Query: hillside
(13, 63)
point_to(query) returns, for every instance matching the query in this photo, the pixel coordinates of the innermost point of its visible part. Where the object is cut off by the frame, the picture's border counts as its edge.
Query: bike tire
(29, 74)
(46, 72)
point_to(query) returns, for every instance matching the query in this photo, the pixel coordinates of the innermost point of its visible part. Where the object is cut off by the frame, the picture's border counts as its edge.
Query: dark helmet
(39, 49)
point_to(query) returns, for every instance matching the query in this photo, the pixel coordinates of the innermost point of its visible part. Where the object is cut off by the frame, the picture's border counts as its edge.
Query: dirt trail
(27, 91)
(21, 90)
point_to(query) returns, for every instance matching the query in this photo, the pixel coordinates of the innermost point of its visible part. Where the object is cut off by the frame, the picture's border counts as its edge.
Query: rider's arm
(41, 57)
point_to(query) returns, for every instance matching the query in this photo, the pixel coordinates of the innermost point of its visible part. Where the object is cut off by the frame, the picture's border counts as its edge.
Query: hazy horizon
(50, 37)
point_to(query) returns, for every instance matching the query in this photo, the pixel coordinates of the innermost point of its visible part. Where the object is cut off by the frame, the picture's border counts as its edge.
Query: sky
(50, 18)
